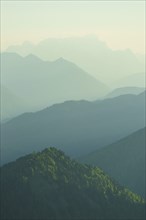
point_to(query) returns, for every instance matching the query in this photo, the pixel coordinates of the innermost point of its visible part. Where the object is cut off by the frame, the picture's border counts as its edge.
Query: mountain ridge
(124, 160)
(43, 83)
(90, 53)
(77, 125)
(124, 90)
(53, 186)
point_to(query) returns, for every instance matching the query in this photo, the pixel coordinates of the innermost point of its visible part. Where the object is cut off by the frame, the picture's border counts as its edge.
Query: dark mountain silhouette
(124, 161)
(88, 52)
(124, 91)
(42, 83)
(48, 185)
(79, 126)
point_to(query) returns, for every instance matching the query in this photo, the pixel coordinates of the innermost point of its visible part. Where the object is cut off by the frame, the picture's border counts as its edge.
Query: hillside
(124, 161)
(54, 187)
(75, 125)
(43, 83)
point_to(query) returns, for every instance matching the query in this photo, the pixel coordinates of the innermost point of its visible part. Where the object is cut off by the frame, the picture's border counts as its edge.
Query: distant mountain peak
(88, 52)
(33, 57)
(60, 60)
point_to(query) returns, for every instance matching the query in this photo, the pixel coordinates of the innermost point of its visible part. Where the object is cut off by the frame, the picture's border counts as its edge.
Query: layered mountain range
(123, 160)
(77, 127)
(57, 103)
(40, 84)
(88, 52)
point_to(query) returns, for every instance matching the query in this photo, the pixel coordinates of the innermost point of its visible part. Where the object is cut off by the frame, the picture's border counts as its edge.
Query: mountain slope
(44, 83)
(133, 80)
(124, 161)
(79, 126)
(124, 91)
(11, 105)
(88, 52)
(51, 186)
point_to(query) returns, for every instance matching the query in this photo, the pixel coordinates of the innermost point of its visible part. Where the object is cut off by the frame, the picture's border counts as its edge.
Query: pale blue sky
(121, 24)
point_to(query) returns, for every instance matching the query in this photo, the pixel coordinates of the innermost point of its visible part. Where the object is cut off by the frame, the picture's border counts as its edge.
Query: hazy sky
(121, 24)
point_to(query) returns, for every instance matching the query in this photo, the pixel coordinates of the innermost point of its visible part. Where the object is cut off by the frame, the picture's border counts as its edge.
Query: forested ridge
(49, 185)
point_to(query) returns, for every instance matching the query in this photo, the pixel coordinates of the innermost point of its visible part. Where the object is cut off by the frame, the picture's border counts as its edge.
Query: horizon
(76, 19)
(89, 36)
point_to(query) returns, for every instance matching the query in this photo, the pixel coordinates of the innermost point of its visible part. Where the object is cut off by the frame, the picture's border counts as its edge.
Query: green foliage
(51, 185)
